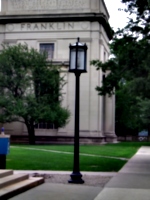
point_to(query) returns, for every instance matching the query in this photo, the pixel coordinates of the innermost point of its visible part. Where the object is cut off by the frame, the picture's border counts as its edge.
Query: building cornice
(100, 17)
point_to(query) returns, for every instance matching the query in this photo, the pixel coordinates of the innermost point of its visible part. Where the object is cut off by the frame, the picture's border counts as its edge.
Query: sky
(118, 19)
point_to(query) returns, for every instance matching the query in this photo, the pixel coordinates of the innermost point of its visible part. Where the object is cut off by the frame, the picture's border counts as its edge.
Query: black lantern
(77, 65)
(77, 61)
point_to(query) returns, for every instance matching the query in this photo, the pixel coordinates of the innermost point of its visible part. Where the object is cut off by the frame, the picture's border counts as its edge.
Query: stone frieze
(46, 4)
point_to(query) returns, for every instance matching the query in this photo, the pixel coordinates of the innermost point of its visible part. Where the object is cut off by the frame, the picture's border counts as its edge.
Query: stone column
(4, 5)
(94, 79)
(110, 119)
(64, 73)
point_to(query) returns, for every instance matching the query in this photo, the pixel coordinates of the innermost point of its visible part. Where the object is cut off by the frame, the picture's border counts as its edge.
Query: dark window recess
(44, 125)
(48, 48)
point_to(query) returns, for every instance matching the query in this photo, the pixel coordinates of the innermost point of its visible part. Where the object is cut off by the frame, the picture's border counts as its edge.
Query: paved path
(50, 191)
(132, 182)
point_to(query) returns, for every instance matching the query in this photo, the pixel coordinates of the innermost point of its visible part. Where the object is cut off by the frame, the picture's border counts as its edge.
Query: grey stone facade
(60, 22)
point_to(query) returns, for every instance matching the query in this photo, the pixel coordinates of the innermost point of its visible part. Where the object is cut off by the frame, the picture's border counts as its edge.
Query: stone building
(52, 25)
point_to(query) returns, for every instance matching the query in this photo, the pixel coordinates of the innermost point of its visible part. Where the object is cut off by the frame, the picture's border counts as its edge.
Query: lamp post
(77, 65)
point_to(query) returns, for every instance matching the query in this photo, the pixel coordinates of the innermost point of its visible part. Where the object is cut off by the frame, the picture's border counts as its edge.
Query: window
(104, 56)
(48, 48)
(43, 125)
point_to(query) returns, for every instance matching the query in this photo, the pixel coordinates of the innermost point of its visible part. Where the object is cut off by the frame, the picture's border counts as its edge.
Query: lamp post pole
(76, 175)
(77, 66)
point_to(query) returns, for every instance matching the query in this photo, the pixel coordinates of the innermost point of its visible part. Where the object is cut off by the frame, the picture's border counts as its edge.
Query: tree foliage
(30, 89)
(129, 65)
(128, 119)
(138, 24)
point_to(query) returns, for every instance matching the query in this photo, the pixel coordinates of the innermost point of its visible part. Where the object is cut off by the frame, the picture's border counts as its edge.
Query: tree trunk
(31, 132)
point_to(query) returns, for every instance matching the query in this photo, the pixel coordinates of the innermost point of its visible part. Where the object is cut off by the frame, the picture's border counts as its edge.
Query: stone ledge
(99, 17)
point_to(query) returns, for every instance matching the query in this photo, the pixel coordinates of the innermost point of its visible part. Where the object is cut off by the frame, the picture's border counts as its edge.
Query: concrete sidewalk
(132, 182)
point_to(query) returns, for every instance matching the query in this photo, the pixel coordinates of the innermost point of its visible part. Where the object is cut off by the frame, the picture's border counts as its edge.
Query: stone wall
(17, 7)
(46, 23)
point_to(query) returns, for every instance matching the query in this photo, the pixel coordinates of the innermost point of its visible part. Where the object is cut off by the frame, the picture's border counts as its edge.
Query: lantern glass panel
(73, 59)
(80, 59)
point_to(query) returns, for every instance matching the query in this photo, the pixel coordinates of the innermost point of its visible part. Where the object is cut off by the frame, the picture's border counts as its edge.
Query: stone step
(4, 173)
(17, 188)
(12, 179)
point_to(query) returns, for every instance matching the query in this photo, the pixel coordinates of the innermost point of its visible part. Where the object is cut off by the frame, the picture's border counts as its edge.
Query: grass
(22, 158)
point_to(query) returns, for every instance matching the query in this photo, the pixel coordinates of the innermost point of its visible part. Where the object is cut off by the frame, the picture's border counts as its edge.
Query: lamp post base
(76, 178)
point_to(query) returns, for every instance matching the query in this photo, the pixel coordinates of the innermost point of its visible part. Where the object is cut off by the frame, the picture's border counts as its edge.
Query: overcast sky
(118, 19)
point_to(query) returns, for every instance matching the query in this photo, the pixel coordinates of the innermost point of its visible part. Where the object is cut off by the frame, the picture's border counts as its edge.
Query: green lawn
(39, 158)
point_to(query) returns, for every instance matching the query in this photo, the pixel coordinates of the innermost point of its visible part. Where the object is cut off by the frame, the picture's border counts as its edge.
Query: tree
(130, 48)
(127, 115)
(130, 65)
(30, 89)
(139, 11)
